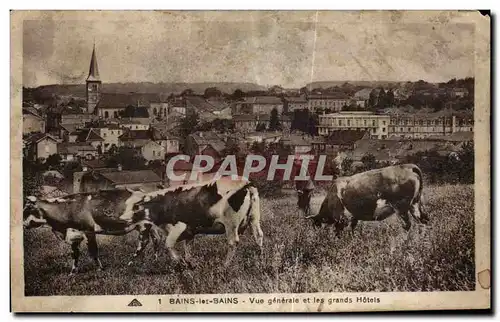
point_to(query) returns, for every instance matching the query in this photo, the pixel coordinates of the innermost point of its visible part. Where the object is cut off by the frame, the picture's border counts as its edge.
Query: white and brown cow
(222, 206)
(372, 196)
(83, 215)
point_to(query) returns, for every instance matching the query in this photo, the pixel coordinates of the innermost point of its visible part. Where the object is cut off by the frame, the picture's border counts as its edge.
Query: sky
(285, 49)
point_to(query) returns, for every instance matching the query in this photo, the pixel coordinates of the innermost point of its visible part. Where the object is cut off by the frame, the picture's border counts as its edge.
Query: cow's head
(210, 193)
(32, 214)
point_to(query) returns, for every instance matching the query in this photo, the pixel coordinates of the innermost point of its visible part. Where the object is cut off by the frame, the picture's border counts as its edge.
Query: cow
(373, 196)
(215, 207)
(82, 215)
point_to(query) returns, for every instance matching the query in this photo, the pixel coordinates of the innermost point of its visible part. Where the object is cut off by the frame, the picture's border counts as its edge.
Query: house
(340, 140)
(158, 109)
(199, 141)
(222, 109)
(79, 120)
(459, 92)
(40, 146)
(110, 133)
(258, 105)
(135, 123)
(93, 164)
(153, 151)
(266, 137)
(143, 140)
(114, 179)
(249, 122)
(299, 144)
(32, 121)
(293, 103)
(177, 105)
(71, 151)
(90, 136)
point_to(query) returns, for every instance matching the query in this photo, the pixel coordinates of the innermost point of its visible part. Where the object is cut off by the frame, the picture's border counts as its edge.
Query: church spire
(94, 69)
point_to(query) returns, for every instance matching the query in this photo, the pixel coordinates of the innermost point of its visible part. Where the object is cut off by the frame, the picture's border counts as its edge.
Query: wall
(33, 123)
(45, 148)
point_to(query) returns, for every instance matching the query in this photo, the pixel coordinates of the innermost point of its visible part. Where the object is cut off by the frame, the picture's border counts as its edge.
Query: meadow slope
(296, 257)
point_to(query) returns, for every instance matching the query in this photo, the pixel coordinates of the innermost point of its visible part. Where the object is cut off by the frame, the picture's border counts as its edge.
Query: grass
(297, 257)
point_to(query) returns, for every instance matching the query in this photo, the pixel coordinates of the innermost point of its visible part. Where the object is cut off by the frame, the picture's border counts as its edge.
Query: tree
(53, 161)
(189, 124)
(346, 166)
(369, 161)
(70, 168)
(304, 91)
(382, 98)
(312, 124)
(237, 95)
(232, 148)
(390, 98)
(466, 160)
(372, 100)
(128, 158)
(187, 92)
(274, 122)
(212, 92)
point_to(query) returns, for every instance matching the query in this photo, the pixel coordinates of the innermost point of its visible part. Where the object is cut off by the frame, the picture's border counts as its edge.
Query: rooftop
(131, 177)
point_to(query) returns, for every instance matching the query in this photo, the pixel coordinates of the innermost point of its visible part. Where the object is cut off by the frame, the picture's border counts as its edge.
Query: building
(258, 105)
(377, 125)
(135, 123)
(266, 137)
(40, 146)
(423, 125)
(110, 133)
(94, 84)
(32, 121)
(73, 151)
(293, 103)
(104, 179)
(299, 144)
(333, 102)
(153, 151)
(339, 140)
(90, 136)
(199, 141)
(249, 122)
(158, 109)
(459, 92)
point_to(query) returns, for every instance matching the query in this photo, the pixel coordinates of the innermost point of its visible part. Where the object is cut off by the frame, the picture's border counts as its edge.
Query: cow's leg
(354, 223)
(144, 234)
(174, 231)
(187, 254)
(258, 235)
(418, 213)
(93, 249)
(233, 239)
(157, 238)
(75, 247)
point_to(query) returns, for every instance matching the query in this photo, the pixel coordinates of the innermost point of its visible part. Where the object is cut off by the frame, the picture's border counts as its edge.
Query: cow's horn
(142, 190)
(310, 216)
(130, 190)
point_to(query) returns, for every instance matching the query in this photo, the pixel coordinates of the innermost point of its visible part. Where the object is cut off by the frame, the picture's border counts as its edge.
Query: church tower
(93, 84)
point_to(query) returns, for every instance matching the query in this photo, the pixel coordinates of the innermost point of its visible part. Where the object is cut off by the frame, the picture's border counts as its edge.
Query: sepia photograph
(250, 160)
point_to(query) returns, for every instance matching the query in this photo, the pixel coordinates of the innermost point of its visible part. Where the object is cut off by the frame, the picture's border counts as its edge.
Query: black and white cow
(214, 207)
(372, 196)
(83, 215)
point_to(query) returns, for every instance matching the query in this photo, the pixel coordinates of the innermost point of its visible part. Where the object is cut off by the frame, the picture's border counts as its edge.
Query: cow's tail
(417, 202)
(418, 196)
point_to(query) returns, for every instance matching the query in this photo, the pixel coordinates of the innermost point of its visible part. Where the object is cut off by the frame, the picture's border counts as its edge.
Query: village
(113, 140)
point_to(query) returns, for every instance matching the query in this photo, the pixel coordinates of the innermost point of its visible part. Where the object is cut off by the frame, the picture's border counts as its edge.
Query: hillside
(143, 87)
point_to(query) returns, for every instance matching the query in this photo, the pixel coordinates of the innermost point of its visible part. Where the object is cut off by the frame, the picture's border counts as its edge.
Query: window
(383, 122)
(373, 122)
(383, 129)
(340, 122)
(106, 114)
(409, 129)
(348, 122)
(364, 122)
(400, 129)
(374, 130)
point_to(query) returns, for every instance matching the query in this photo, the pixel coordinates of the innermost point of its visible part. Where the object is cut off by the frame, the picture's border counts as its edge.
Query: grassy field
(296, 257)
